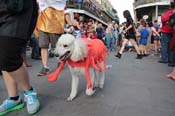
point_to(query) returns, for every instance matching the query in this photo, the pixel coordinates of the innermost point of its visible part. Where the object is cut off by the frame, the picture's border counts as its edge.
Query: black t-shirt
(129, 22)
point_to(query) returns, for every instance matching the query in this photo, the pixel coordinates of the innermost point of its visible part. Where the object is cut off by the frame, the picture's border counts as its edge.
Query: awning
(153, 4)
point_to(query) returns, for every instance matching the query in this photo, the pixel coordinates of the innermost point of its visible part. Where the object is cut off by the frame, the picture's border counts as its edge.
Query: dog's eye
(65, 46)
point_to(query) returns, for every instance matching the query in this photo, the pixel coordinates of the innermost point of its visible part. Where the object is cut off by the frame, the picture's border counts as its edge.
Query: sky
(121, 5)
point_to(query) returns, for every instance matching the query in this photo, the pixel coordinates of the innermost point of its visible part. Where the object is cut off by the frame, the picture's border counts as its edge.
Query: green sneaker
(9, 105)
(32, 101)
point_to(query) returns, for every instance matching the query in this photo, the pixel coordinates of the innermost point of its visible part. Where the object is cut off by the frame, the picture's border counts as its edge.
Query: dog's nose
(56, 55)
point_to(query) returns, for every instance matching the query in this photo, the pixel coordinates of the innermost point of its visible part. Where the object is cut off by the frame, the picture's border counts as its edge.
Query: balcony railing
(143, 2)
(92, 10)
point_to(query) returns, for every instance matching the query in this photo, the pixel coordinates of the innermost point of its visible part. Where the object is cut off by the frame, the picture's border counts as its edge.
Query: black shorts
(10, 53)
(130, 35)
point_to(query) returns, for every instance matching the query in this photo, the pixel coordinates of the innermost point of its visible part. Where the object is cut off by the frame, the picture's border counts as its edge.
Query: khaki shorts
(48, 38)
(142, 47)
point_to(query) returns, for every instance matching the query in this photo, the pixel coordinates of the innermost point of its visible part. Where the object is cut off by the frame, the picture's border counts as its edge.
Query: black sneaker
(171, 65)
(118, 55)
(139, 56)
(44, 71)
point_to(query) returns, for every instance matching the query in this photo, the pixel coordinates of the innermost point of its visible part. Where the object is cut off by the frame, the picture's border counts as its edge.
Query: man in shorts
(50, 26)
(17, 21)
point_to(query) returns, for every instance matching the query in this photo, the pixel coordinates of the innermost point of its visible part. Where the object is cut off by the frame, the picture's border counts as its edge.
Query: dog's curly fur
(83, 57)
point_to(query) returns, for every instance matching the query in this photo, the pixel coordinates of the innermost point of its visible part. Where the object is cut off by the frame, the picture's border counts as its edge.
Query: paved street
(132, 88)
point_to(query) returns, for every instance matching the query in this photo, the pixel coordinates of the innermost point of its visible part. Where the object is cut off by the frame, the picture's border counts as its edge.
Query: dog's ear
(80, 51)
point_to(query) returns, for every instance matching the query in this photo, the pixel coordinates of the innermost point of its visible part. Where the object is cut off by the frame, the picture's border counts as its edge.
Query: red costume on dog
(96, 54)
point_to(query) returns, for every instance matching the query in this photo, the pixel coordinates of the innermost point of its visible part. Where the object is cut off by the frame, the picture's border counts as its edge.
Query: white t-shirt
(57, 4)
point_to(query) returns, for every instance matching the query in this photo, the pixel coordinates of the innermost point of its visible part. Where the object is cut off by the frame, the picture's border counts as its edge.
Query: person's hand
(71, 29)
(123, 31)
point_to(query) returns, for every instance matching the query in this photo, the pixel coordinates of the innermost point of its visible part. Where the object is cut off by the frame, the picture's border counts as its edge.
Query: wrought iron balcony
(92, 10)
(143, 2)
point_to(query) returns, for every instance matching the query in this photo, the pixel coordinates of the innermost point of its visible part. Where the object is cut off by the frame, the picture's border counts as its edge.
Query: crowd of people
(23, 23)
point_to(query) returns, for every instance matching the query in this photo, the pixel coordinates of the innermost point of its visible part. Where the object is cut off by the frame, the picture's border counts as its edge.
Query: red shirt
(165, 26)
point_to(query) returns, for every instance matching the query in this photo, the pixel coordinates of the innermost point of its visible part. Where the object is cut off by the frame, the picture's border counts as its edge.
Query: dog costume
(96, 54)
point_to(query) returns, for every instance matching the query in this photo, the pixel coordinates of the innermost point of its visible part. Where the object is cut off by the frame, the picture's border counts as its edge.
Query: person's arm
(69, 22)
(165, 17)
(130, 23)
(128, 28)
(68, 19)
(154, 31)
(77, 25)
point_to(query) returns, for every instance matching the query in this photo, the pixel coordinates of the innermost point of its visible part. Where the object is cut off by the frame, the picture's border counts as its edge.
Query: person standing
(172, 48)
(129, 33)
(110, 41)
(116, 34)
(166, 31)
(143, 38)
(156, 37)
(17, 22)
(99, 31)
(51, 26)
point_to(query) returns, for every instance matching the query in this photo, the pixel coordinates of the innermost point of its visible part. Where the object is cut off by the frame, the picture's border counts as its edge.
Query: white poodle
(83, 57)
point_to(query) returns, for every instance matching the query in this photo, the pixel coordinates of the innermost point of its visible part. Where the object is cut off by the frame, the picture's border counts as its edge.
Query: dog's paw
(90, 92)
(101, 86)
(69, 99)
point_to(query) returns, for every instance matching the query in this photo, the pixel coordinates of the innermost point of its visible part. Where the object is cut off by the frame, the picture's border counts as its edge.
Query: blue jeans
(172, 57)
(109, 42)
(165, 38)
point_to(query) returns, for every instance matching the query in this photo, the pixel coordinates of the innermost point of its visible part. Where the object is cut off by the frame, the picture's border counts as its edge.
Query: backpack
(171, 20)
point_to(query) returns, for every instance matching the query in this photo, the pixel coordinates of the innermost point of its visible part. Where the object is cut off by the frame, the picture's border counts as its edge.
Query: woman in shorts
(130, 33)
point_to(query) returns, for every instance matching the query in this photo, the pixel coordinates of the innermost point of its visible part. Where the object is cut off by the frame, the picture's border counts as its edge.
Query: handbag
(15, 6)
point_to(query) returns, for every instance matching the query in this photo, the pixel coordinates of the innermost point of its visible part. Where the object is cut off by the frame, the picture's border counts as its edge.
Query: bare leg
(18, 77)
(123, 46)
(148, 50)
(25, 60)
(44, 56)
(155, 47)
(11, 85)
(116, 43)
(145, 51)
(135, 45)
(141, 52)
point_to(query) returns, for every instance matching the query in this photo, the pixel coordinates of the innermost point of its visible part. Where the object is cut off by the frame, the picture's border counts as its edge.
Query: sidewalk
(132, 88)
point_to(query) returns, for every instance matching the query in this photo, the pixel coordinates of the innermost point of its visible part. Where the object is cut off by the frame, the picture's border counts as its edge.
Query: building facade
(153, 8)
(100, 10)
